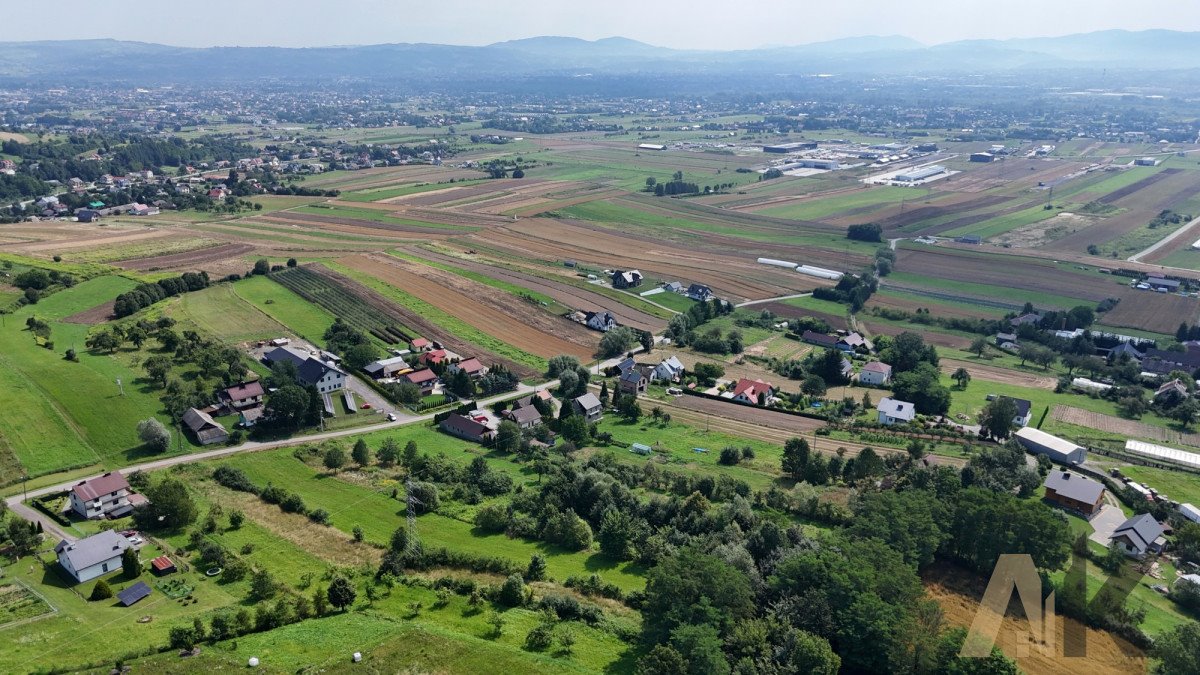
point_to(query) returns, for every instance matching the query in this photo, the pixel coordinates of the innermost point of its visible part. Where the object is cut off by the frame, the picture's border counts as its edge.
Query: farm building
(1145, 161)
(920, 174)
(204, 427)
(1190, 512)
(813, 163)
(92, 557)
(1074, 492)
(982, 157)
(1057, 449)
(651, 146)
(784, 148)
(162, 566)
(894, 411)
(385, 368)
(107, 495)
(1162, 452)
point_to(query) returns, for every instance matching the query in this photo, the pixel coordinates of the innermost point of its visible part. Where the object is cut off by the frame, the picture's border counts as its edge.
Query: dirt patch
(361, 223)
(958, 594)
(188, 259)
(1051, 229)
(93, 316)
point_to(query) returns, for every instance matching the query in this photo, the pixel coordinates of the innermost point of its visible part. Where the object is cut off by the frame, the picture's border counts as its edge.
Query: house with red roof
(243, 395)
(433, 356)
(471, 366)
(425, 378)
(754, 392)
(106, 496)
(420, 345)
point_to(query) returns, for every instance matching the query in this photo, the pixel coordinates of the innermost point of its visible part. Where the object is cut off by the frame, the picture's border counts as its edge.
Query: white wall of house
(88, 573)
(98, 508)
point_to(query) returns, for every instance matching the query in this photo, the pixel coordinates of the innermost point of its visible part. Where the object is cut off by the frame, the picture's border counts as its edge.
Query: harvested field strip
(513, 301)
(150, 249)
(1158, 313)
(815, 208)
(269, 225)
(343, 304)
(121, 237)
(1124, 427)
(1001, 223)
(380, 194)
(298, 241)
(983, 371)
(955, 298)
(467, 309)
(1143, 183)
(893, 297)
(736, 277)
(189, 258)
(93, 316)
(368, 219)
(954, 203)
(1141, 207)
(428, 321)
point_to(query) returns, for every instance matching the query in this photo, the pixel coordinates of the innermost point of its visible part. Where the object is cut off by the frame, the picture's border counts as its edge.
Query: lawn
(60, 414)
(675, 301)
(1178, 485)
(303, 318)
(1012, 295)
(221, 312)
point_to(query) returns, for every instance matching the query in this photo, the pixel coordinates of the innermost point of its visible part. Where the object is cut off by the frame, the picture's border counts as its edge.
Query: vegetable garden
(342, 303)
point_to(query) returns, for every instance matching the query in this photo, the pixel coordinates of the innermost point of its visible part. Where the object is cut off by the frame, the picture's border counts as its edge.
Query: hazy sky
(690, 24)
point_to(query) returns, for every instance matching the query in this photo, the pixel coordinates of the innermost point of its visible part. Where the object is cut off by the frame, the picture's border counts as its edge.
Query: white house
(92, 557)
(875, 373)
(894, 411)
(668, 370)
(107, 495)
(601, 321)
(1139, 535)
(324, 376)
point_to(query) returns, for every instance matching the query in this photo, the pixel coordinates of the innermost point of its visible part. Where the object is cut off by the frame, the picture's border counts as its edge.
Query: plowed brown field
(188, 259)
(519, 332)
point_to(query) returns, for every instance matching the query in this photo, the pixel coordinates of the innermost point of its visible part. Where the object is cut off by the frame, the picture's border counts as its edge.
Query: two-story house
(106, 496)
(92, 557)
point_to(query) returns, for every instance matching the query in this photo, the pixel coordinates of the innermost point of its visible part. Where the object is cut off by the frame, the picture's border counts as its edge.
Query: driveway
(1108, 519)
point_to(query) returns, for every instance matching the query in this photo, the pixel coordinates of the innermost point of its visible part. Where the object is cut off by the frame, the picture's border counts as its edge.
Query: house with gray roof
(205, 428)
(669, 370)
(1139, 535)
(632, 383)
(894, 411)
(1074, 492)
(525, 417)
(589, 406)
(92, 557)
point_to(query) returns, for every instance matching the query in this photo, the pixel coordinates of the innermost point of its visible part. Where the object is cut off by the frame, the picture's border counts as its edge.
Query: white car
(391, 417)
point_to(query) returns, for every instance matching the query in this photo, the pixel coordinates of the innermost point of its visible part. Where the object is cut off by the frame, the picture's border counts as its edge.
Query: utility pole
(25, 488)
(410, 510)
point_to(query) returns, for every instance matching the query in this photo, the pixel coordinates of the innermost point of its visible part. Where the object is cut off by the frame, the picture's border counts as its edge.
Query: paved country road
(17, 505)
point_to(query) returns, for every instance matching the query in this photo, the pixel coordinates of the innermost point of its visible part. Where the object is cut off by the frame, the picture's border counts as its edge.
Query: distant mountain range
(113, 60)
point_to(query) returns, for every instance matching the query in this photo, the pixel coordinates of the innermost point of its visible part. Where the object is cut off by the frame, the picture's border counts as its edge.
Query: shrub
(513, 593)
(540, 638)
(101, 591)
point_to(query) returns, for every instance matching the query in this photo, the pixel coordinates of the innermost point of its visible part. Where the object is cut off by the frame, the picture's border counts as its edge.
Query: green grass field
(303, 318)
(816, 209)
(221, 312)
(1015, 296)
(381, 193)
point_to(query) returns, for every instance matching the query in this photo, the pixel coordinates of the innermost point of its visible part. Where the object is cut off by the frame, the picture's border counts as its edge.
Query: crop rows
(342, 304)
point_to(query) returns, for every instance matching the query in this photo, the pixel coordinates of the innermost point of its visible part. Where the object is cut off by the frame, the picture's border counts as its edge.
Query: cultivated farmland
(342, 304)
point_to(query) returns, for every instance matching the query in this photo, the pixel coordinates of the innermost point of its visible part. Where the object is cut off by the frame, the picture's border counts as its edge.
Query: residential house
(244, 395)
(1007, 340)
(467, 429)
(142, 210)
(626, 279)
(1162, 362)
(248, 417)
(1139, 535)
(1175, 390)
(894, 411)
(699, 293)
(626, 365)
(386, 368)
(204, 427)
(601, 321)
(434, 356)
(425, 378)
(1029, 318)
(820, 339)
(876, 374)
(668, 370)
(673, 287)
(852, 343)
(1024, 411)
(472, 367)
(1126, 349)
(525, 417)
(1074, 492)
(847, 369)
(754, 392)
(324, 376)
(420, 345)
(632, 383)
(93, 556)
(87, 215)
(589, 407)
(107, 495)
